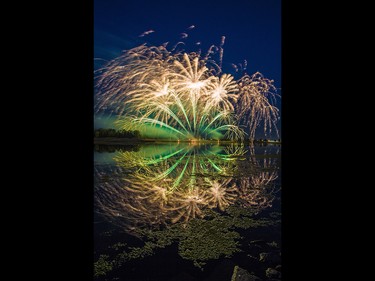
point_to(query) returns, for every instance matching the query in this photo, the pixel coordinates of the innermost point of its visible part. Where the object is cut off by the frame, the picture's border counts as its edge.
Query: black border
(62, 230)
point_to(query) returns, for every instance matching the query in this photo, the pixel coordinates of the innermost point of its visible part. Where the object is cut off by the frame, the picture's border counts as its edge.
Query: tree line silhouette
(116, 147)
(103, 133)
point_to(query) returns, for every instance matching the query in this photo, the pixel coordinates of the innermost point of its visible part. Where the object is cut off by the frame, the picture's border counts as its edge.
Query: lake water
(179, 211)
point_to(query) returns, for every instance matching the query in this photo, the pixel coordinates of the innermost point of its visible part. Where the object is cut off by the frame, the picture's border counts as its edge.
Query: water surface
(179, 211)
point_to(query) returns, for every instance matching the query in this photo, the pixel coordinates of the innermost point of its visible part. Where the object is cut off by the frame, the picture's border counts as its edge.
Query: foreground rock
(240, 274)
(273, 273)
(271, 258)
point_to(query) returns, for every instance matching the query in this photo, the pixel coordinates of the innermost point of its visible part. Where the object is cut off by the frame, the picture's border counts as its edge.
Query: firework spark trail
(257, 95)
(235, 67)
(184, 93)
(221, 50)
(176, 45)
(146, 33)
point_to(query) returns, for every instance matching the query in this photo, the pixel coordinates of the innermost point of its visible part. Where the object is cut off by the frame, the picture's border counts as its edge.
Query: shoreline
(133, 141)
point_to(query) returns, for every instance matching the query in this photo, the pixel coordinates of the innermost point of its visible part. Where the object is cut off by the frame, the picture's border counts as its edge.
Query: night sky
(252, 29)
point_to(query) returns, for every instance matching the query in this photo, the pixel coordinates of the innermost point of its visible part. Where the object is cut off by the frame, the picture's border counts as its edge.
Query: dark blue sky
(252, 29)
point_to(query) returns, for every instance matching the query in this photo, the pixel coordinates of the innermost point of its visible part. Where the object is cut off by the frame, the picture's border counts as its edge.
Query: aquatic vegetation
(209, 239)
(185, 95)
(102, 266)
(199, 241)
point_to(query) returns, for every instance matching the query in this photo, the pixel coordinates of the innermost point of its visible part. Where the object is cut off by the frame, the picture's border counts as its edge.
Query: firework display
(184, 94)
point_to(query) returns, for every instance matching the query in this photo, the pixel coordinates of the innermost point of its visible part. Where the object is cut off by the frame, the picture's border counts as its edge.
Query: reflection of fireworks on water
(221, 194)
(132, 206)
(179, 183)
(152, 193)
(256, 191)
(187, 204)
(268, 160)
(182, 164)
(184, 93)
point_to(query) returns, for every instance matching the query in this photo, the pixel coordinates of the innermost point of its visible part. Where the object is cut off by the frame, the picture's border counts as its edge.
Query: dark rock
(273, 273)
(257, 242)
(222, 271)
(263, 256)
(240, 274)
(278, 267)
(271, 258)
(183, 276)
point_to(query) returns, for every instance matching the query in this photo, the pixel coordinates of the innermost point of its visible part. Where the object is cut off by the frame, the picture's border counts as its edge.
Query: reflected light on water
(155, 187)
